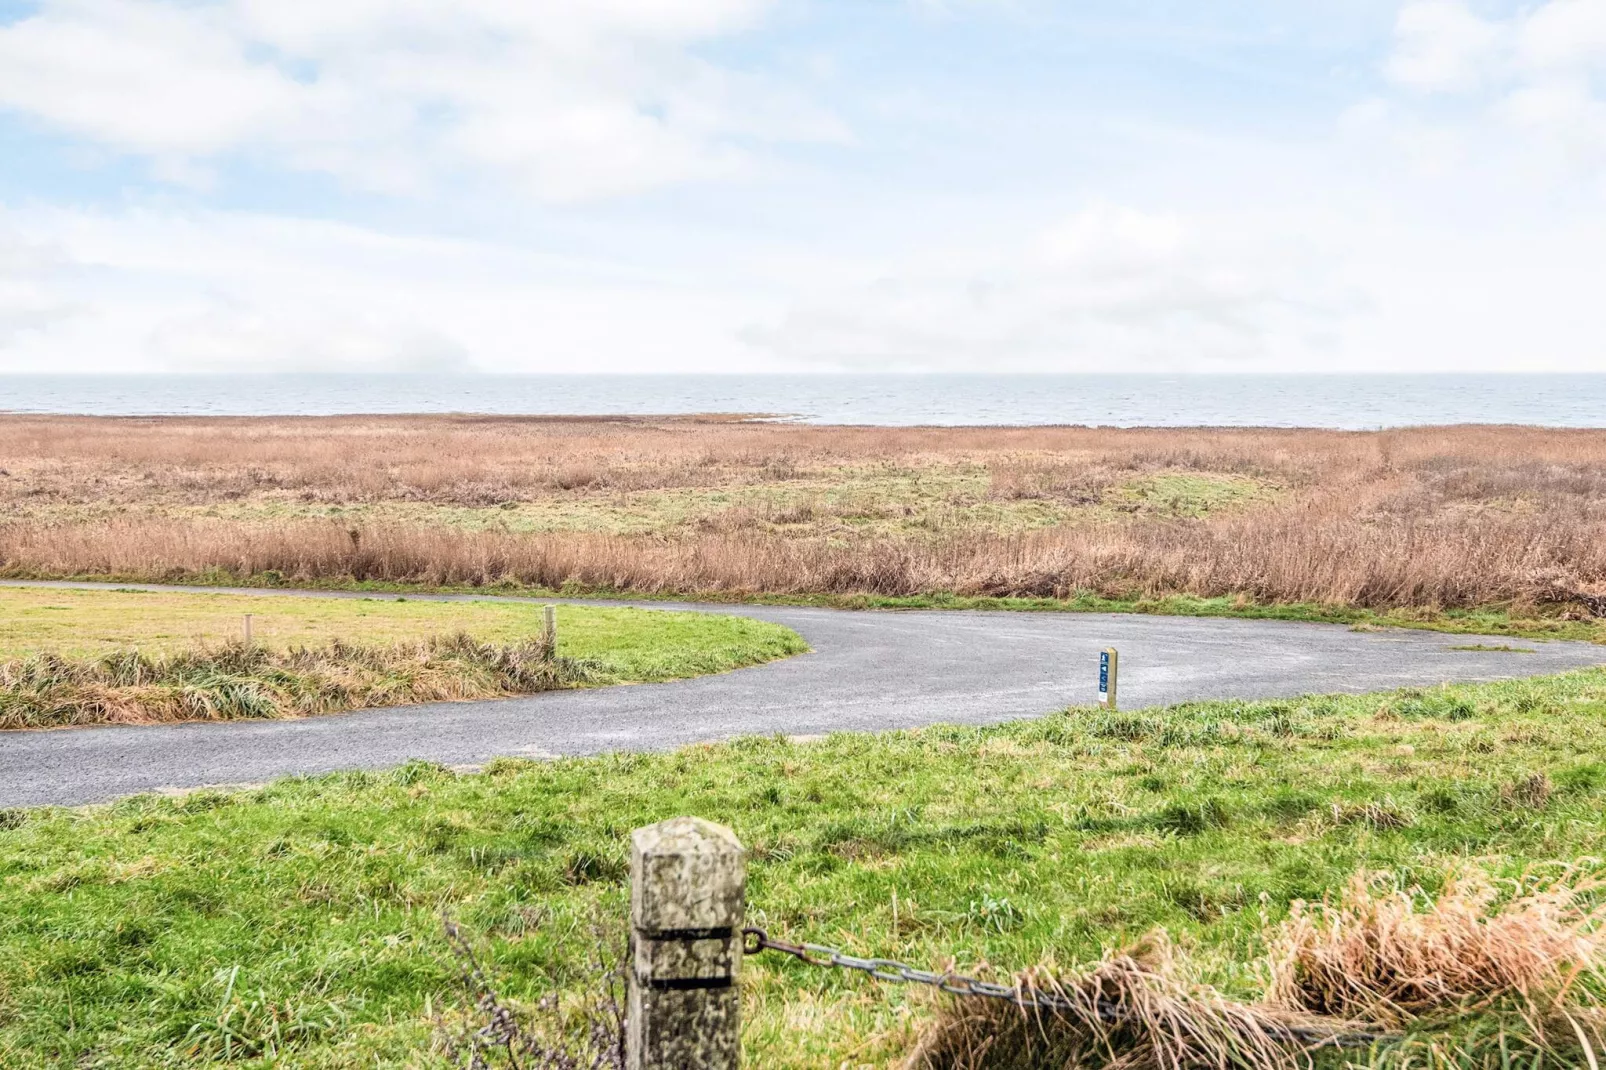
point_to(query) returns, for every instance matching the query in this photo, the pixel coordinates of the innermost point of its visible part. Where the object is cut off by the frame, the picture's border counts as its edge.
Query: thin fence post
(549, 631)
(248, 629)
(688, 890)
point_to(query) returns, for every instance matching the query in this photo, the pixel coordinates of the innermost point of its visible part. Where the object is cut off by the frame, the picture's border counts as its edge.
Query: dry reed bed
(1447, 517)
(1281, 556)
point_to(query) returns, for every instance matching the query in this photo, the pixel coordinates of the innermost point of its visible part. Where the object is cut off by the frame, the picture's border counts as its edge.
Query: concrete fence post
(688, 890)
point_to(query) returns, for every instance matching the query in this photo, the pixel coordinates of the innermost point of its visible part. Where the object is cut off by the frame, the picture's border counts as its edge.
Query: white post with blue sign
(1109, 663)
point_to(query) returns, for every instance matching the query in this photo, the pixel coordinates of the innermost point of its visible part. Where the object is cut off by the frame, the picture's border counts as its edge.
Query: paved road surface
(869, 670)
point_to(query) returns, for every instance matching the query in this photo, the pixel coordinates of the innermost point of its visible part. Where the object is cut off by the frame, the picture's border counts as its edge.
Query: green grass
(95, 657)
(1190, 494)
(628, 645)
(303, 918)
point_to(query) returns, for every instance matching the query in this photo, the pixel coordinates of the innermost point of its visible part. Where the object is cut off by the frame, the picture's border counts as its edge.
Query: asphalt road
(868, 671)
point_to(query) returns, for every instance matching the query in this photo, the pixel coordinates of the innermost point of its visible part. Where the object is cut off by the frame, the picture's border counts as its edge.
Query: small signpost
(1109, 663)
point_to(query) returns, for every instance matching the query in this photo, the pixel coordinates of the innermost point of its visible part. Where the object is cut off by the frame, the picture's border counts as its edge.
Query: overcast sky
(782, 185)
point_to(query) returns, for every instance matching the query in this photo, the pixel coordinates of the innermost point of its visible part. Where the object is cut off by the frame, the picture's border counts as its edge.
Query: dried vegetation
(1381, 977)
(236, 680)
(1133, 1010)
(1438, 517)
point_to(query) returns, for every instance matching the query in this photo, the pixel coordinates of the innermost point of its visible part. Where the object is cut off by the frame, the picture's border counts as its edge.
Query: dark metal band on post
(686, 936)
(723, 932)
(686, 984)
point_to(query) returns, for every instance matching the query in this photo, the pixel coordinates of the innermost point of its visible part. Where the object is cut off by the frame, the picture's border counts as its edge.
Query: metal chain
(755, 941)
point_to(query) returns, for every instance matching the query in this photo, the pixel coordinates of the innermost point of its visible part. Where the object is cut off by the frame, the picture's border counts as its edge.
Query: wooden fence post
(549, 631)
(1109, 671)
(688, 890)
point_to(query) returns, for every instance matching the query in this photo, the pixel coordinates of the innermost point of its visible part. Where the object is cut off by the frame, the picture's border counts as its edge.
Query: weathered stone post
(688, 880)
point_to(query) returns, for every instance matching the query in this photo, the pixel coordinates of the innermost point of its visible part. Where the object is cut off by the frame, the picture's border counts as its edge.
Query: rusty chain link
(755, 941)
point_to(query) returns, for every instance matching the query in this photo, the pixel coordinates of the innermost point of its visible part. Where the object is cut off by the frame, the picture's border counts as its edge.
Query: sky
(802, 185)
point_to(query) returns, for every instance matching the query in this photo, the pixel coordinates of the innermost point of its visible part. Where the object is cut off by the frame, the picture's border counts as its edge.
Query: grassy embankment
(80, 657)
(302, 919)
(1506, 524)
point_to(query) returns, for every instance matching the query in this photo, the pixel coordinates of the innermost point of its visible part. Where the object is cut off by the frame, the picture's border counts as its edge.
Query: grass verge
(299, 924)
(237, 681)
(138, 657)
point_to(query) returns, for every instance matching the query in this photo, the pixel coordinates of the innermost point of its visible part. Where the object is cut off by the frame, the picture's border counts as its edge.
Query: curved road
(869, 670)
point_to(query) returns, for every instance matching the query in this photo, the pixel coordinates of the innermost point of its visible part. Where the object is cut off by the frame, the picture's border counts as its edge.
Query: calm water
(1344, 401)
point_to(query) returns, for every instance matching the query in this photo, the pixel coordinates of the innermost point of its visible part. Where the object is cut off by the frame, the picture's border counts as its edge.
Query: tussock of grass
(1467, 978)
(1133, 1011)
(236, 681)
(1394, 956)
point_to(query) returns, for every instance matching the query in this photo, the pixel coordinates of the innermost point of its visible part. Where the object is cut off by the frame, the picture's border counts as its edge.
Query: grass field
(299, 925)
(1424, 520)
(317, 655)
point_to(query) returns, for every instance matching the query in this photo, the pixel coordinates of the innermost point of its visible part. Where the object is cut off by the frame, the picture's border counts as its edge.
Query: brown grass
(1439, 518)
(1467, 978)
(1132, 1010)
(1391, 956)
(237, 681)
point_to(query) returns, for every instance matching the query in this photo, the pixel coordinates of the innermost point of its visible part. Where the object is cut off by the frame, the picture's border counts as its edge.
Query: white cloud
(1562, 35)
(28, 298)
(1535, 72)
(147, 76)
(211, 291)
(566, 99)
(1441, 45)
(1109, 288)
(230, 337)
(1106, 288)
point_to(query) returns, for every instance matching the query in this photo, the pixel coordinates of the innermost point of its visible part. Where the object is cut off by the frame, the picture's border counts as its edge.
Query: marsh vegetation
(1425, 519)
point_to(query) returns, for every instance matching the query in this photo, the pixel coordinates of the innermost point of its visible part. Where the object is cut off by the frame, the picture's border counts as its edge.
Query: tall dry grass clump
(1392, 956)
(1131, 1011)
(237, 681)
(1380, 977)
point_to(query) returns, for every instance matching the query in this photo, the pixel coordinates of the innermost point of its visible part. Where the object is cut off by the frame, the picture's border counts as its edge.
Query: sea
(1333, 401)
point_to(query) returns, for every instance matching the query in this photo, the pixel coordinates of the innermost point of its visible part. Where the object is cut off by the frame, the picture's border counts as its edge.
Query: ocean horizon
(1351, 402)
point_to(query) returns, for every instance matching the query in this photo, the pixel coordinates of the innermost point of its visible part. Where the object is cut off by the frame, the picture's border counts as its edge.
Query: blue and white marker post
(1109, 664)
